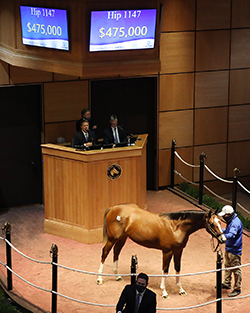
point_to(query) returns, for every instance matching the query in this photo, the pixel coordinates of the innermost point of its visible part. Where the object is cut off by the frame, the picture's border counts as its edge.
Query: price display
(44, 27)
(122, 30)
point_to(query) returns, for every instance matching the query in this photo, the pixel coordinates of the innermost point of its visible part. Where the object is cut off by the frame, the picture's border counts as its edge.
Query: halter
(214, 234)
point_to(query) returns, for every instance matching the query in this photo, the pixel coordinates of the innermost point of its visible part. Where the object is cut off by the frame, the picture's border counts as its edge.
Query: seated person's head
(113, 121)
(84, 125)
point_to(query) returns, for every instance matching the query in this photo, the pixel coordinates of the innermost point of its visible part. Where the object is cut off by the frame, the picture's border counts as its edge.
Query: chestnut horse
(168, 232)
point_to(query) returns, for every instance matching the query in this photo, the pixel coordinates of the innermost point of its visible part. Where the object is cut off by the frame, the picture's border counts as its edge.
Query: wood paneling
(61, 77)
(178, 15)
(240, 13)
(213, 14)
(19, 75)
(216, 161)
(176, 125)
(211, 89)
(240, 56)
(210, 126)
(239, 125)
(7, 24)
(176, 92)
(165, 166)
(212, 50)
(62, 129)
(239, 86)
(4, 73)
(64, 101)
(239, 156)
(177, 52)
(73, 203)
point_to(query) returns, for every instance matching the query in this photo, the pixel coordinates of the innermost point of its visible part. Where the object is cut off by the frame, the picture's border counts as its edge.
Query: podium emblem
(114, 171)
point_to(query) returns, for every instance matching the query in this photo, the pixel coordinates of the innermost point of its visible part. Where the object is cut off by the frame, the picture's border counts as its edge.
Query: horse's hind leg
(177, 265)
(117, 249)
(105, 251)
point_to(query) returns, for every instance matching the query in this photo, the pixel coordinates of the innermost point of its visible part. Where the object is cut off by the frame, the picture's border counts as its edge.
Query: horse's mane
(183, 215)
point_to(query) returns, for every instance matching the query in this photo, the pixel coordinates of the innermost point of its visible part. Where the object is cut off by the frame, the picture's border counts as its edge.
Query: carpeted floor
(28, 236)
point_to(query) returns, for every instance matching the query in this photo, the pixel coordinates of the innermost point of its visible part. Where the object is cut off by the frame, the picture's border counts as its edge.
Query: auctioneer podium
(80, 185)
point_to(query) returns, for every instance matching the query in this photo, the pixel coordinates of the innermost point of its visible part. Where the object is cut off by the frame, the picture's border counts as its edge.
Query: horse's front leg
(177, 265)
(165, 266)
(117, 249)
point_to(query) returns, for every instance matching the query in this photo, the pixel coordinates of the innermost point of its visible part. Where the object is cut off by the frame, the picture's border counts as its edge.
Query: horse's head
(213, 226)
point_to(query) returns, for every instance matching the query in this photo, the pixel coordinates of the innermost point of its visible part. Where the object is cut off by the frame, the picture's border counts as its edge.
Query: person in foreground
(137, 298)
(233, 233)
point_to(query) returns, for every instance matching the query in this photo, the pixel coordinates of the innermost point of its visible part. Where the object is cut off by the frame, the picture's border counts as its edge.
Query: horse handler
(233, 233)
(137, 298)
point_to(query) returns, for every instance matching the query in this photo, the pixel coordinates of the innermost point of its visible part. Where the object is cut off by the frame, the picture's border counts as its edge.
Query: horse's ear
(216, 211)
(209, 214)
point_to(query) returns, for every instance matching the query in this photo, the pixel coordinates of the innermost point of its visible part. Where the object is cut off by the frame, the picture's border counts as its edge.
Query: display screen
(122, 30)
(44, 27)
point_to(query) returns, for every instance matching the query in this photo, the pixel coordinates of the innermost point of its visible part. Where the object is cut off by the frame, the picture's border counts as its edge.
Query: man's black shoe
(223, 286)
(234, 293)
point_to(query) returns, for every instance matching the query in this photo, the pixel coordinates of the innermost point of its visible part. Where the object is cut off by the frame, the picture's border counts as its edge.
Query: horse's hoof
(118, 278)
(99, 282)
(165, 296)
(183, 293)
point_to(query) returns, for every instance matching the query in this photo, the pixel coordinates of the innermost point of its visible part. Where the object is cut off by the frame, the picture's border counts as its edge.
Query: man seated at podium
(114, 134)
(84, 137)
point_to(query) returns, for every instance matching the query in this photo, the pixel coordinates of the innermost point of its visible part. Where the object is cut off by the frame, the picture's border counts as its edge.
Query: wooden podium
(80, 185)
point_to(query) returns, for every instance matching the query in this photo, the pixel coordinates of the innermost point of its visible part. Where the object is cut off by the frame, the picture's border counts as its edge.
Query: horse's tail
(105, 226)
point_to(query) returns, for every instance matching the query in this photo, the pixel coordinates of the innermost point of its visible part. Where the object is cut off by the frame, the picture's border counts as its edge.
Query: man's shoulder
(150, 292)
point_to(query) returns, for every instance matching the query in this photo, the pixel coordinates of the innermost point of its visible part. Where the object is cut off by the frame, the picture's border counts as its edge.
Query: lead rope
(213, 245)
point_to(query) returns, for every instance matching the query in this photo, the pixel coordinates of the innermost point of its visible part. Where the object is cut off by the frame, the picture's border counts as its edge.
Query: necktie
(86, 136)
(137, 302)
(116, 138)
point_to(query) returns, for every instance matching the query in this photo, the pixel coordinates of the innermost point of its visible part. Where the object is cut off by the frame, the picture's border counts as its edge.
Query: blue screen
(122, 30)
(44, 27)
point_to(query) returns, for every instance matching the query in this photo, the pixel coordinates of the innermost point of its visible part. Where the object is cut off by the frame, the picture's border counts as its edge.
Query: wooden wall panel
(210, 126)
(177, 52)
(216, 161)
(176, 125)
(4, 73)
(62, 129)
(165, 166)
(212, 50)
(63, 101)
(7, 24)
(239, 156)
(240, 56)
(62, 77)
(239, 86)
(178, 15)
(19, 75)
(213, 14)
(211, 89)
(240, 13)
(176, 92)
(239, 123)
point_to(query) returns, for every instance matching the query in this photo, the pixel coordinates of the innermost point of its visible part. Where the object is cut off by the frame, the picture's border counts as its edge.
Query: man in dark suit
(137, 298)
(84, 137)
(114, 133)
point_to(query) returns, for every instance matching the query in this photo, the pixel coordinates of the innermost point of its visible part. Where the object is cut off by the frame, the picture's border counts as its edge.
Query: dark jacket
(148, 303)
(79, 138)
(109, 138)
(233, 233)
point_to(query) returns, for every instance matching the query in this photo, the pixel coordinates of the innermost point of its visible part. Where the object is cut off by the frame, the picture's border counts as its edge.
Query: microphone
(120, 127)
